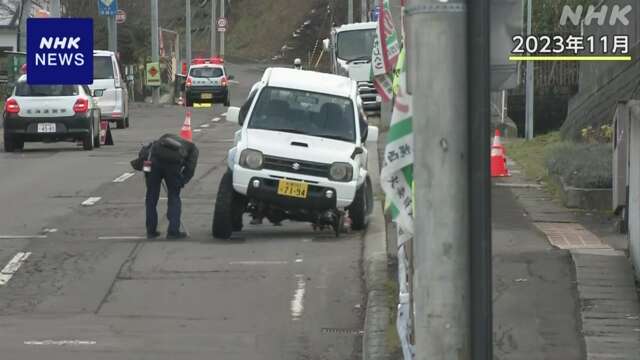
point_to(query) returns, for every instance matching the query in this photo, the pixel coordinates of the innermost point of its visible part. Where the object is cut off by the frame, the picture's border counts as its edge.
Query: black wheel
(126, 122)
(87, 141)
(227, 214)
(120, 124)
(12, 143)
(360, 208)
(188, 102)
(227, 102)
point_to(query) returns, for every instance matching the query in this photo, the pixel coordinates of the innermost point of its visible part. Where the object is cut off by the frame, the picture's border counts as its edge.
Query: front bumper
(218, 94)
(69, 127)
(344, 192)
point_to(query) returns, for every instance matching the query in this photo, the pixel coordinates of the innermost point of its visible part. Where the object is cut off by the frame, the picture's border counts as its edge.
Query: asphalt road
(93, 288)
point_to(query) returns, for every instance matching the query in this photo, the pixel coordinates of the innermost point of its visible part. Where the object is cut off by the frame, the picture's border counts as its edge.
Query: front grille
(304, 167)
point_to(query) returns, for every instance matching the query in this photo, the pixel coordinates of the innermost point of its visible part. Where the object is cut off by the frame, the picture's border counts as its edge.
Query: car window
(304, 112)
(244, 109)
(206, 72)
(24, 89)
(102, 67)
(86, 89)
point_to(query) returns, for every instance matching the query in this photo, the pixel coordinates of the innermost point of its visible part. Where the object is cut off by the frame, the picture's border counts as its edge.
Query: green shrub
(581, 165)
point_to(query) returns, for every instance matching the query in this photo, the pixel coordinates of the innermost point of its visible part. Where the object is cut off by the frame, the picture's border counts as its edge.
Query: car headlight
(251, 159)
(341, 172)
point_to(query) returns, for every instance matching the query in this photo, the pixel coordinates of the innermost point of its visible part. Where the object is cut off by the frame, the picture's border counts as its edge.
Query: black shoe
(179, 235)
(153, 235)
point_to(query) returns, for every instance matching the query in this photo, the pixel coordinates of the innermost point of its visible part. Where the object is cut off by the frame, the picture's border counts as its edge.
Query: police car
(300, 155)
(48, 113)
(207, 82)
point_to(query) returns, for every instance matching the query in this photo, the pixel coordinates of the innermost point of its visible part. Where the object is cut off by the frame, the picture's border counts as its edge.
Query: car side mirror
(97, 92)
(233, 114)
(357, 151)
(231, 77)
(325, 44)
(372, 136)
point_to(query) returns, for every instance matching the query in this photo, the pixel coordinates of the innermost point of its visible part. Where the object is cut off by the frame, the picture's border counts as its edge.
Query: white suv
(300, 154)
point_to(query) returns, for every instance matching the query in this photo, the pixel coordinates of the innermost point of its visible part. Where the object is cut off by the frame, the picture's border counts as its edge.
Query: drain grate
(570, 236)
(338, 331)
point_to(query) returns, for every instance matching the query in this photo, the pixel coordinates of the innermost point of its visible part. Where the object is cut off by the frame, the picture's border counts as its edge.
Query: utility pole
(363, 11)
(188, 32)
(24, 15)
(530, 89)
(222, 6)
(437, 41)
(350, 11)
(55, 8)
(112, 29)
(214, 30)
(155, 55)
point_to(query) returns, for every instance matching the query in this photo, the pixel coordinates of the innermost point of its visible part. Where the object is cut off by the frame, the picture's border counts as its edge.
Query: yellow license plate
(293, 188)
(206, 96)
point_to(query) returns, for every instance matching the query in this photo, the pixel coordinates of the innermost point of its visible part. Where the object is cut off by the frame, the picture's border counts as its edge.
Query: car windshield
(102, 67)
(206, 72)
(355, 44)
(24, 89)
(304, 112)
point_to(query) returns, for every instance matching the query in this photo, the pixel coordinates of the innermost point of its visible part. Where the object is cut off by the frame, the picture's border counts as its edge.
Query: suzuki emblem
(295, 166)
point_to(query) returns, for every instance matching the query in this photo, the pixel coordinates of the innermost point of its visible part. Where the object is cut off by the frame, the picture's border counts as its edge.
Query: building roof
(312, 81)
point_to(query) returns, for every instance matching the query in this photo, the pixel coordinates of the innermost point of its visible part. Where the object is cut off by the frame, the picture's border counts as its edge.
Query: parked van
(114, 103)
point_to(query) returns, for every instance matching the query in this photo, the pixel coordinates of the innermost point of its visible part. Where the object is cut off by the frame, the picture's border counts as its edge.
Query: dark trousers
(172, 179)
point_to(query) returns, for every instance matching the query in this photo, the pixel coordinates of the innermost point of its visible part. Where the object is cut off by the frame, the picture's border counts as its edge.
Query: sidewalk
(608, 309)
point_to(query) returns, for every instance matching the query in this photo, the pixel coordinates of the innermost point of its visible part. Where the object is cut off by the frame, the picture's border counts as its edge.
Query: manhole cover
(570, 236)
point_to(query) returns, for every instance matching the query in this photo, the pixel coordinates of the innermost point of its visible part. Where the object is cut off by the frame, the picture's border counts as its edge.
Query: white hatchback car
(114, 102)
(300, 154)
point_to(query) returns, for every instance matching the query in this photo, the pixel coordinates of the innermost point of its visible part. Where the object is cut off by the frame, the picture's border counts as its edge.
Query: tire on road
(11, 143)
(227, 102)
(126, 122)
(227, 213)
(361, 207)
(88, 139)
(120, 124)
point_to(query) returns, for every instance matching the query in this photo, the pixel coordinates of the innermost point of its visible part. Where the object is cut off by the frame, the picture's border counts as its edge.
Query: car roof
(357, 26)
(312, 81)
(196, 66)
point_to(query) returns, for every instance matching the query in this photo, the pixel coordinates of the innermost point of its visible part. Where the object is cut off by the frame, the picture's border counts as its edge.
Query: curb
(375, 273)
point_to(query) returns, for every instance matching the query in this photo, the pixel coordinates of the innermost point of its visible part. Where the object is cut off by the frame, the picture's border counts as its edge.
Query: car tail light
(189, 82)
(11, 106)
(81, 105)
(225, 82)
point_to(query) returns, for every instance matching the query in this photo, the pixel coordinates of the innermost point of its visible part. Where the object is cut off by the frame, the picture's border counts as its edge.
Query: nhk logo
(616, 14)
(60, 51)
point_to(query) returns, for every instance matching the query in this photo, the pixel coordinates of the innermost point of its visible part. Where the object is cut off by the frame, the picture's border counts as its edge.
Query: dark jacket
(171, 151)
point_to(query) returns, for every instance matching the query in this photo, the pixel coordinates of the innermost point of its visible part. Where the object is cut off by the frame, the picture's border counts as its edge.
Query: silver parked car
(114, 103)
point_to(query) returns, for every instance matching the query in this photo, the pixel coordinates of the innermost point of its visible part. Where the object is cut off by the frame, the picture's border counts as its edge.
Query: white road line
(297, 303)
(91, 201)
(205, 125)
(223, 114)
(234, 82)
(22, 237)
(12, 266)
(298, 260)
(258, 262)
(60, 342)
(215, 119)
(197, 130)
(129, 237)
(49, 230)
(123, 177)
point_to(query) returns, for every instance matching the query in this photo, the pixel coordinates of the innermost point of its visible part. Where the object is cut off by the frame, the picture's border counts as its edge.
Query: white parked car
(48, 113)
(114, 102)
(300, 154)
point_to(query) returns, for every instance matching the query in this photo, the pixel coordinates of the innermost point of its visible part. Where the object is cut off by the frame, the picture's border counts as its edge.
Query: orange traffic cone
(498, 158)
(105, 133)
(186, 132)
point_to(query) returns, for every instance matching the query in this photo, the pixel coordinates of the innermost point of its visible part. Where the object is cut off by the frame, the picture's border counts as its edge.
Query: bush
(581, 165)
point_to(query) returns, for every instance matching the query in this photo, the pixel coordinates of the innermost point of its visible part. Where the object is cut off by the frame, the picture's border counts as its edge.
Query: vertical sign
(107, 7)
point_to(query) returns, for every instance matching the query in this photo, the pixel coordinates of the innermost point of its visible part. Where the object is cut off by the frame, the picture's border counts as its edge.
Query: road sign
(60, 51)
(107, 7)
(121, 17)
(153, 74)
(222, 24)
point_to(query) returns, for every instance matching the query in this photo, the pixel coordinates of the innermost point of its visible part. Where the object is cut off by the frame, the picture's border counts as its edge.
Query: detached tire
(361, 207)
(227, 214)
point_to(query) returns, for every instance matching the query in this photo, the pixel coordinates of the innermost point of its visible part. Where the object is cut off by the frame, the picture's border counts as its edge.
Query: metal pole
(350, 11)
(112, 29)
(155, 45)
(363, 11)
(222, 6)
(529, 127)
(55, 8)
(437, 40)
(188, 32)
(479, 244)
(214, 30)
(503, 109)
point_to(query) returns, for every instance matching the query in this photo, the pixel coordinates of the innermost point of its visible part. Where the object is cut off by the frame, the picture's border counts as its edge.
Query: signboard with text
(107, 7)
(60, 51)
